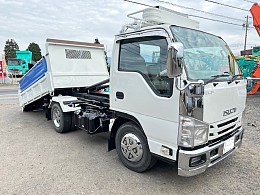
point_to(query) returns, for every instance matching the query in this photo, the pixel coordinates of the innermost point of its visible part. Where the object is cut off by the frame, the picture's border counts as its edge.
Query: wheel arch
(121, 118)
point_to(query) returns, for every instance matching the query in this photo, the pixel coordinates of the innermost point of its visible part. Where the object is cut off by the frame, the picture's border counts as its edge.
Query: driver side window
(147, 56)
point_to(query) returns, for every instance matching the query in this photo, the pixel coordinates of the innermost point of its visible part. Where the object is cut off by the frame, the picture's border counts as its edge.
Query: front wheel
(61, 121)
(132, 148)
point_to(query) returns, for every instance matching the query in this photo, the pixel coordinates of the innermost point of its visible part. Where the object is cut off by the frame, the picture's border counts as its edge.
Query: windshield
(205, 55)
(13, 62)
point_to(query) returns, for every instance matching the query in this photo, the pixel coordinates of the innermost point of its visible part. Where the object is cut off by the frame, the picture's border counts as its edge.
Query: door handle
(120, 95)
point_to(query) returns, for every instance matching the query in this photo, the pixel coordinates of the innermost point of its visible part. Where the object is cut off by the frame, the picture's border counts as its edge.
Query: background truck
(21, 64)
(249, 61)
(250, 66)
(183, 106)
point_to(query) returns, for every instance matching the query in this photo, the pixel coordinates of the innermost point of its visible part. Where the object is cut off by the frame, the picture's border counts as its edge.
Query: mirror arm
(252, 78)
(199, 82)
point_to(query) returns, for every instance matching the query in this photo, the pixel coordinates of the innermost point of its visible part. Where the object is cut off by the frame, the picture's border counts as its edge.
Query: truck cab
(21, 64)
(181, 86)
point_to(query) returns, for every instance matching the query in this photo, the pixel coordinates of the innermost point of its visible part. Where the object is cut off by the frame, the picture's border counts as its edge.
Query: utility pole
(246, 25)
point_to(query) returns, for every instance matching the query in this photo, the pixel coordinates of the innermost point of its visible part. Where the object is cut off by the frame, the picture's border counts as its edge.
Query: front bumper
(211, 155)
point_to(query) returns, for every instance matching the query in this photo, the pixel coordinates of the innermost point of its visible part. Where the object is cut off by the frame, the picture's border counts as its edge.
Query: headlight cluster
(192, 132)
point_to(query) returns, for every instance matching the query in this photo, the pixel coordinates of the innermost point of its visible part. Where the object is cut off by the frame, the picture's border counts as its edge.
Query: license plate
(228, 145)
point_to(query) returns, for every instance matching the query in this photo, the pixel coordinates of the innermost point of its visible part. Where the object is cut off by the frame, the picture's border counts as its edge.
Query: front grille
(224, 137)
(227, 122)
(227, 129)
(224, 127)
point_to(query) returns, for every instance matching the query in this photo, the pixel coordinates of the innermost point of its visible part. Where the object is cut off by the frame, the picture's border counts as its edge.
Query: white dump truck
(174, 93)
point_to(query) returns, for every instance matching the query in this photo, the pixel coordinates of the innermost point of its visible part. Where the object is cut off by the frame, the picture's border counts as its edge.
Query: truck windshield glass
(13, 62)
(205, 55)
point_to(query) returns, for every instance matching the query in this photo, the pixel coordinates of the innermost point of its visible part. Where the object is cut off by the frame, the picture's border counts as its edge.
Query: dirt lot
(34, 159)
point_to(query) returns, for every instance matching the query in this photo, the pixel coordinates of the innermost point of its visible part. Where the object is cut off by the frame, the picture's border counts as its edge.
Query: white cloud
(28, 21)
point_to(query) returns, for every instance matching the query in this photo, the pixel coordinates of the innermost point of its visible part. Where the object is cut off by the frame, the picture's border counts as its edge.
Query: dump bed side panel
(36, 91)
(76, 64)
(36, 83)
(36, 73)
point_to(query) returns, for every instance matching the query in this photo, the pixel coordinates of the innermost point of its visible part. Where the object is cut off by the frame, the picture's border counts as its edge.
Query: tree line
(11, 46)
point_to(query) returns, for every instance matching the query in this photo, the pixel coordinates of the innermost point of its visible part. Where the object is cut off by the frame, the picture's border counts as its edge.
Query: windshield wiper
(233, 76)
(217, 76)
(226, 74)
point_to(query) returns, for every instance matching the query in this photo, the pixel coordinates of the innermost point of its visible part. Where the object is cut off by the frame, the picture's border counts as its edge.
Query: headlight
(192, 132)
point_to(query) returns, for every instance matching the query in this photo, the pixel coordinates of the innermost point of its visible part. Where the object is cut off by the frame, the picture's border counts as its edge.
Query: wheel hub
(131, 147)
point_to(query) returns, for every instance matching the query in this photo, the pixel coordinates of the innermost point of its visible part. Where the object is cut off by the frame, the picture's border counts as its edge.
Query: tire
(61, 121)
(132, 148)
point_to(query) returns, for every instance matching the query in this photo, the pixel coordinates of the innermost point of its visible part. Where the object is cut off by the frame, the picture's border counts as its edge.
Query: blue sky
(28, 21)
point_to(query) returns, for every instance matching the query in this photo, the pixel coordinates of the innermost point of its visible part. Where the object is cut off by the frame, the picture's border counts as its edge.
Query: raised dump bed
(67, 65)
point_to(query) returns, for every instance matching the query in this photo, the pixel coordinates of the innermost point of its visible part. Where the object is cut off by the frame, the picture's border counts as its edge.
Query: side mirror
(174, 60)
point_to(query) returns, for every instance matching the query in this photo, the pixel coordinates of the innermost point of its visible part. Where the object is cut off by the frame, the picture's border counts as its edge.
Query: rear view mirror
(174, 60)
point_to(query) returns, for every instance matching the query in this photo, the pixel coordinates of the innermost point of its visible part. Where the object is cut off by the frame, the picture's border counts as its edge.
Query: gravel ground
(34, 159)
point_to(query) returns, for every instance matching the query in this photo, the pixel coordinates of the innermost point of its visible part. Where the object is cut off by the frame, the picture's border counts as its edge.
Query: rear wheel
(61, 121)
(132, 148)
